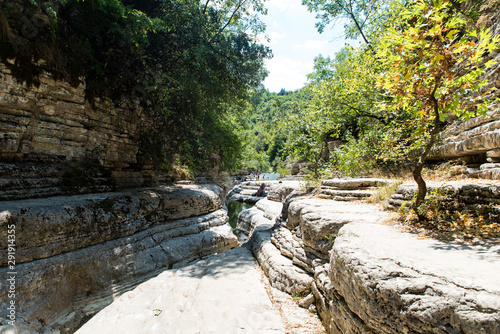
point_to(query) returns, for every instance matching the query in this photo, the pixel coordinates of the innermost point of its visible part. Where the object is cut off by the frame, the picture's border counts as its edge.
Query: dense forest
(263, 132)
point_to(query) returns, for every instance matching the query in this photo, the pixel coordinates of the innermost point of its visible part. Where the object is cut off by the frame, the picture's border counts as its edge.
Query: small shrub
(283, 172)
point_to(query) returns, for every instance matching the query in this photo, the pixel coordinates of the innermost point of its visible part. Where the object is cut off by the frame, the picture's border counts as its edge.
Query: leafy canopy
(185, 62)
(433, 69)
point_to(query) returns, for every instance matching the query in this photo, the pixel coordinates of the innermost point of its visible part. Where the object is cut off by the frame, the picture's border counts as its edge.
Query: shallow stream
(233, 210)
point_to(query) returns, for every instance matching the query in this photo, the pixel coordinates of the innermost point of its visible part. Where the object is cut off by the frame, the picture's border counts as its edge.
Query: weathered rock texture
(369, 277)
(260, 222)
(223, 293)
(55, 122)
(471, 195)
(44, 130)
(75, 254)
(350, 189)
(479, 136)
(392, 282)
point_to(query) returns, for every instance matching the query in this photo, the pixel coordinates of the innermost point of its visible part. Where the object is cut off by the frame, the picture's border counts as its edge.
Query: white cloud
(295, 43)
(281, 4)
(274, 36)
(286, 73)
(312, 44)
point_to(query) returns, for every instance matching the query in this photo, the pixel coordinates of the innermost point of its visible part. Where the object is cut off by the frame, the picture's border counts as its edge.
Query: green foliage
(186, 63)
(433, 68)
(346, 97)
(265, 138)
(422, 53)
(354, 158)
(388, 107)
(99, 41)
(306, 137)
(365, 18)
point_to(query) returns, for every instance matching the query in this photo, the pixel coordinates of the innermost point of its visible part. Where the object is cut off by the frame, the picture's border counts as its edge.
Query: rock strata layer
(393, 282)
(367, 276)
(480, 135)
(54, 124)
(471, 195)
(77, 253)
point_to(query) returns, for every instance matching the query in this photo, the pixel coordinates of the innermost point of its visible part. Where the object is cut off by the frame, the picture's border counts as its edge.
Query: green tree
(434, 69)
(362, 15)
(264, 138)
(345, 91)
(307, 132)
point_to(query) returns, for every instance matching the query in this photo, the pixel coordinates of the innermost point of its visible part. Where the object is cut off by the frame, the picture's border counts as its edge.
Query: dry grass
(447, 219)
(383, 194)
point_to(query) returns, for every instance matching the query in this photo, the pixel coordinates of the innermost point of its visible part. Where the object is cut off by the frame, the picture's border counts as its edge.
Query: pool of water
(267, 176)
(233, 210)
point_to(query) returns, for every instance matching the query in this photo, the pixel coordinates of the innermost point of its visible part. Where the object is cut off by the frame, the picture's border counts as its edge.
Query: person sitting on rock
(262, 191)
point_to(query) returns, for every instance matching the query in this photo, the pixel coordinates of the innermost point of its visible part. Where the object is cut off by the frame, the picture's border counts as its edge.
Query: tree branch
(206, 6)
(360, 113)
(232, 16)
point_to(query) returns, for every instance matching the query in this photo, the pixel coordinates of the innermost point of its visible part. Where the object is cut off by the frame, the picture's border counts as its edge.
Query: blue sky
(295, 43)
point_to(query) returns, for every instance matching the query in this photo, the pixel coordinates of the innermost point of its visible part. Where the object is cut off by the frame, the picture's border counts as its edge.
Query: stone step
(23, 181)
(249, 187)
(354, 183)
(341, 198)
(248, 192)
(345, 195)
(467, 193)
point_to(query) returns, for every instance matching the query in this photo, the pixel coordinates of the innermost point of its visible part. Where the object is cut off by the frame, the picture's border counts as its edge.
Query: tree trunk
(417, 171)
(422, 187)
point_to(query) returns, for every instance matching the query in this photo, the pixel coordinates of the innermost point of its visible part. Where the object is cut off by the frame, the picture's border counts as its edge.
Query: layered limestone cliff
(52, 142)
(477, 141)
(75, 254)
(364, 275)
(79, 239)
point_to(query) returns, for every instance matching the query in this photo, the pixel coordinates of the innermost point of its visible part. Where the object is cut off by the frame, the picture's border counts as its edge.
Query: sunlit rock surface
(368, 276)
(75, 254)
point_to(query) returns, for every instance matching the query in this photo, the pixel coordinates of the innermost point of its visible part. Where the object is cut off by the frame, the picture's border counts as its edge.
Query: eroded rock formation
(80, 239)
(49, 133)
(364, 275)
(76, 254)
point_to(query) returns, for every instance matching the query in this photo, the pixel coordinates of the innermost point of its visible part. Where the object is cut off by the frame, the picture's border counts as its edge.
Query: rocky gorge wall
(73, 199)
(54, 142)
(75, 254)
(348, 261)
